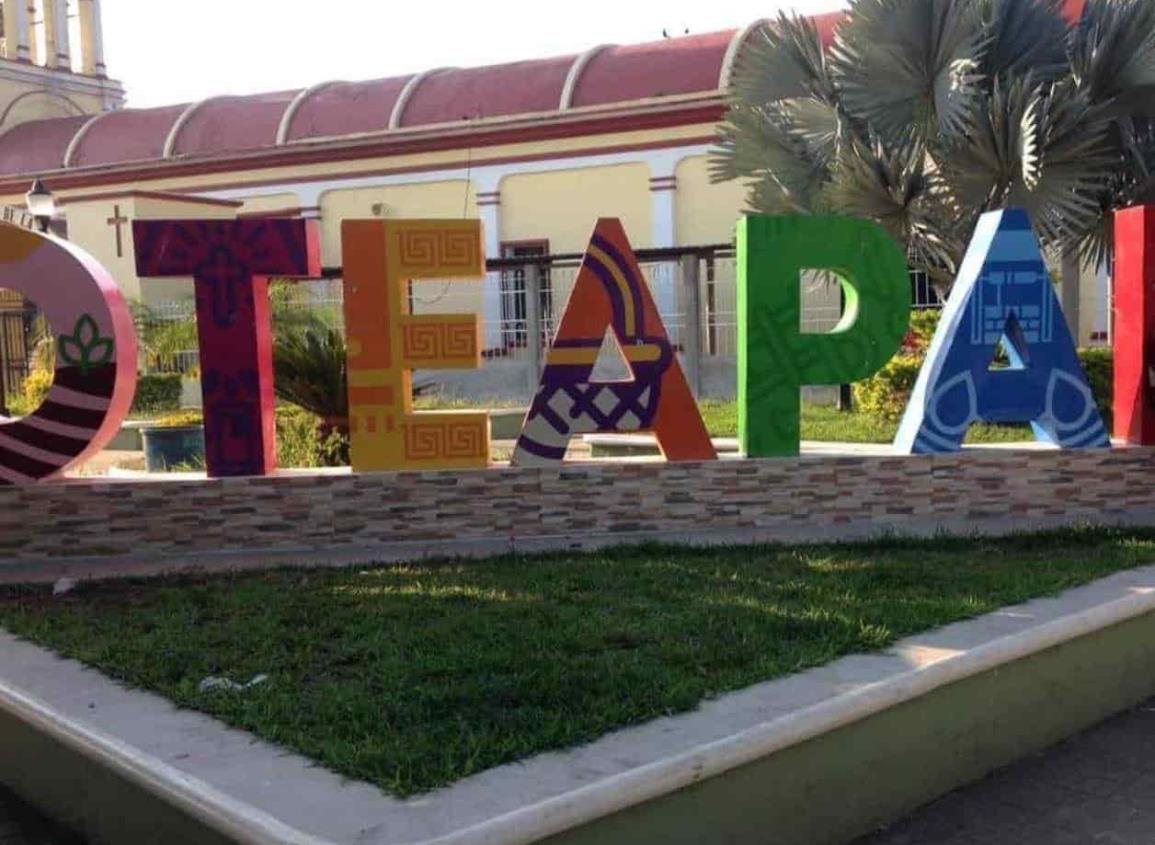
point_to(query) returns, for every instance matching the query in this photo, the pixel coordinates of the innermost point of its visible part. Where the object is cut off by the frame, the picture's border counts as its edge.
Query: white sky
(174, 51)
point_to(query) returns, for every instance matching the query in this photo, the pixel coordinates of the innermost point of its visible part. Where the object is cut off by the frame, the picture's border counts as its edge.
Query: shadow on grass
(414, 676)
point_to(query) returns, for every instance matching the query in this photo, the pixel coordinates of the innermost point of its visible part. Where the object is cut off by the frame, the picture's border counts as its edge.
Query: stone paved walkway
(21, 825)
(1097, 788)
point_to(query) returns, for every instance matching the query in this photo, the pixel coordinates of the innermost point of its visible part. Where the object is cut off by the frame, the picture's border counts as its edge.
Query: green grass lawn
(414, 676)
(819, 422)
(826, 423)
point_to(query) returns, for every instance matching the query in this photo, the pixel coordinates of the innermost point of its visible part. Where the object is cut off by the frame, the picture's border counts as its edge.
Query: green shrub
(885, 394)
(1099, 365)
(157, 393)
(36, 386)
(181, 419)
(303, 441)
(923, 323)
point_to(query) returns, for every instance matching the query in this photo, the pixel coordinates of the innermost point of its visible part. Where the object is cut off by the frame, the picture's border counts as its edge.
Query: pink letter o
(95, 376)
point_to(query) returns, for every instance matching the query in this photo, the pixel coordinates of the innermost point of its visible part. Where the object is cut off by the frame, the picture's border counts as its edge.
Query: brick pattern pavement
(21, 825)
(1095, 789)
(790, 499)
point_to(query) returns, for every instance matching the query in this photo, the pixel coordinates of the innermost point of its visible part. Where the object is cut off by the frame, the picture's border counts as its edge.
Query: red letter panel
(230, 262)
(1134, 332)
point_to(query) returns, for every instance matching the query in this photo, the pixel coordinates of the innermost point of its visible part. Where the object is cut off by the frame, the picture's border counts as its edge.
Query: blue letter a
(1003, 292)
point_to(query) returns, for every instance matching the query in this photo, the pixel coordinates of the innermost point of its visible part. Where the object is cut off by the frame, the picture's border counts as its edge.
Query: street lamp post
(41, 205)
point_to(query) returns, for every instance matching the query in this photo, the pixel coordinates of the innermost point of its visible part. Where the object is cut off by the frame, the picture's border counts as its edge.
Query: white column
(663, 195)
(663, 212)
(95, 41)
(60, 38)
(1102, 328)
(489, 206)
(16, 29)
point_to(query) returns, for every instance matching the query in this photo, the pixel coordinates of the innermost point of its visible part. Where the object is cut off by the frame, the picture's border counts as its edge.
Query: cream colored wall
(89, 229)
(563, 206)
(1093, 286)
(272, 202)
(24, 101)
(434, 199)
(706, 213)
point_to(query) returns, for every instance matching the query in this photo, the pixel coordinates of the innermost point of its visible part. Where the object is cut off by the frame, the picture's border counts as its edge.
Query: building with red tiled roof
(538, 149)
(609, 83)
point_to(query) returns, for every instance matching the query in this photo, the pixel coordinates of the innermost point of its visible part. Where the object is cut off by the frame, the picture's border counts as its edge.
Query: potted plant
(176, 440)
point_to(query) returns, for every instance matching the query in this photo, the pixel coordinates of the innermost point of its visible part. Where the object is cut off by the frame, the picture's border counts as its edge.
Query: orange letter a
(611, 294)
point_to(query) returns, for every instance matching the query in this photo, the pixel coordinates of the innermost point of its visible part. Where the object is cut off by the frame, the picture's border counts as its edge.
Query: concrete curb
(616, 794)
(1081, 613)
(232, 818)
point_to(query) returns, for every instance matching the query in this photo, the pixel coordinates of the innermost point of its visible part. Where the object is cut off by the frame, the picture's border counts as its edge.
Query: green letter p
(775, 358)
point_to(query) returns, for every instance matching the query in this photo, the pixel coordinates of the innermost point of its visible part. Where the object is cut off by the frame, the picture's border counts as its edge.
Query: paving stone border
(92, 526)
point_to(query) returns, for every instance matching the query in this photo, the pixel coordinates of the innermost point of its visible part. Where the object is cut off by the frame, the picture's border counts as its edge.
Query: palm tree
(923, 114)
(309, 363)
(164, 339)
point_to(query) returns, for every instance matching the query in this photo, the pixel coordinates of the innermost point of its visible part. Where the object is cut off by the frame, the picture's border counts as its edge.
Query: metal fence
(17, 341)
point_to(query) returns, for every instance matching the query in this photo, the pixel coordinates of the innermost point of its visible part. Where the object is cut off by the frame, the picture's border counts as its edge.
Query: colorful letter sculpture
(1003, 292)
(230, 262)
(1134, 335)
(775, 358)
(95, 375)
(611, 294)
(387, 342)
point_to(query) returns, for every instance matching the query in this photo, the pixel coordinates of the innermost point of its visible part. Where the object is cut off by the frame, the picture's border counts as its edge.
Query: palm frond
(309, 366)
(898, 188)
(780, 60)
(926, 113)
(1065, 163)
(983, 168)
(908, 66)
(758, 146)
(1112, 55)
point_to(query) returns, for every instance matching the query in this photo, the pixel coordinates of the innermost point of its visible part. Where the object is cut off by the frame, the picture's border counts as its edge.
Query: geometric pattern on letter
(428, 250)
(611, 294)
(458, 439)
(441, 341)
(231, 262)
(387, 342)
(1003, 291)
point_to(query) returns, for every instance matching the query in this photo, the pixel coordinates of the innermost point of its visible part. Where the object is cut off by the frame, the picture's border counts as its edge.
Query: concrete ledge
(817, 757)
